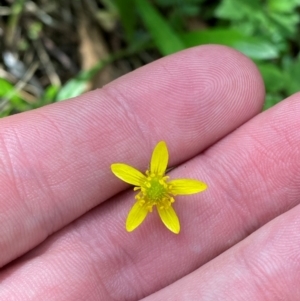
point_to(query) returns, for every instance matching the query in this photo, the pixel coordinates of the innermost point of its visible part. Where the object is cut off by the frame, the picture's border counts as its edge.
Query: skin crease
(205, 103)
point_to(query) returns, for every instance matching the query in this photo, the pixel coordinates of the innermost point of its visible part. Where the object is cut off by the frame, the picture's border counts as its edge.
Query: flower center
(154, 191)
(156, 188)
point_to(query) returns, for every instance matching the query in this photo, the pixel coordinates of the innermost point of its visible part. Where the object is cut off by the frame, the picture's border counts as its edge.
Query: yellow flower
(155, 189)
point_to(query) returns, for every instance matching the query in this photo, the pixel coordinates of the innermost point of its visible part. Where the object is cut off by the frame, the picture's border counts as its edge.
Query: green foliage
(275, 22)
(128, 17)
(271, 18)
(254, 47)
(266, 31)
(164, 37)
(72, 88)
(291, 67)
(10, 99)
(13, 102)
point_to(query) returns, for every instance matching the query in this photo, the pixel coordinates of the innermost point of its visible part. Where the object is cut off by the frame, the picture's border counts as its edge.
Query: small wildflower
(155, 189)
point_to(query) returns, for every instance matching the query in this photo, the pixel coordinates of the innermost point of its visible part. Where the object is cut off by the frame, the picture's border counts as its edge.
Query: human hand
(55, 170)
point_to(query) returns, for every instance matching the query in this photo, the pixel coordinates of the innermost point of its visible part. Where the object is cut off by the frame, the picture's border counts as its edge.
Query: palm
(55, 167)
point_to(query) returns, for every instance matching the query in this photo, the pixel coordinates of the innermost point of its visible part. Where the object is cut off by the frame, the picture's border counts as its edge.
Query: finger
(265, 266)
(55, 161)
(133, 265)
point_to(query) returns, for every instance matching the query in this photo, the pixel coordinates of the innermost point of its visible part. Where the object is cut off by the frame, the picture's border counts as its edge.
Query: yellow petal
(159, 159)
(169, 218)
(136, 216)
(186, 186)
(128, 174)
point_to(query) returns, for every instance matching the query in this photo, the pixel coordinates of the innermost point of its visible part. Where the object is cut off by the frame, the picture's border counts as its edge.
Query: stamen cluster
(155, 191)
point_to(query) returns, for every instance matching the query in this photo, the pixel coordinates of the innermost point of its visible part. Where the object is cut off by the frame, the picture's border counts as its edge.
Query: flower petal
(128, 174)
(169, 218)
(136, 216)
(186, 186)
(159, 159)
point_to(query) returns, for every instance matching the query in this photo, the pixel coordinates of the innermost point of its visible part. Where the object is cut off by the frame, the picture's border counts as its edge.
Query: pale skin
(205, 103)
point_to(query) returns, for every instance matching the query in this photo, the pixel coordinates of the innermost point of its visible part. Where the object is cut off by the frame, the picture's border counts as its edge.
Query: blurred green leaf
(271, 100)
(165, 38)
(285, 22)
(275, 79)
(5, 87)
(78, 85)
(254, 47)
(271, 18)
(5, 112)
(19, 104)
(72, 88)
(257, 48)
(166, 3)
(128, 17)
(186, 7)
(11, 98)
(7, 90)
(283, 6)
(190, 10)
(292, 69)
(34, 30)
(236, 9)
(49, 96)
